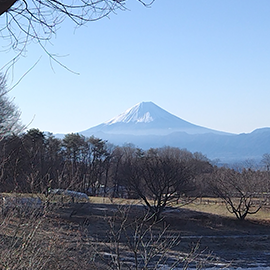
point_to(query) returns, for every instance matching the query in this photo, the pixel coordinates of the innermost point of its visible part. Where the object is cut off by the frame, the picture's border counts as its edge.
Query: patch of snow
(27, 204)
(147, 118)
(164, 267)
(71, 193)
(138, 113)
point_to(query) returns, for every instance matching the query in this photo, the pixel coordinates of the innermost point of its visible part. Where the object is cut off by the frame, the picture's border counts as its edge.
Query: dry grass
(113, 201)
(76, 236)
(38, 241)
(217, 207)
(206, 205)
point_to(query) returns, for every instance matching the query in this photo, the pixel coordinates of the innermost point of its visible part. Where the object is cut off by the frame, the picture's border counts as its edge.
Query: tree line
(35, 162)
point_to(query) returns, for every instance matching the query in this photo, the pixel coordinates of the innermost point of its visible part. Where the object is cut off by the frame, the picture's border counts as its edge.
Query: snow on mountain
(146, 118)
(147, 125)
(140, 113)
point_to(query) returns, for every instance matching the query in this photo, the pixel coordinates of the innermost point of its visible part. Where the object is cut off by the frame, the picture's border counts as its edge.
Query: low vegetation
(120, 235)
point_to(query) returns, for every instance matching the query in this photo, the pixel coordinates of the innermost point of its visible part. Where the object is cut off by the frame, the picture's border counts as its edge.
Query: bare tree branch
(27, 20)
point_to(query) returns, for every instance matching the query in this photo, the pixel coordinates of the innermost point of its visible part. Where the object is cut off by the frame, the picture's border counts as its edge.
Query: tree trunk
(5, 5)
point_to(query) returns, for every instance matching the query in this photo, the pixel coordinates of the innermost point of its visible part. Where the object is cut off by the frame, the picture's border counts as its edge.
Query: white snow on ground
(221, 267)
(240, 268)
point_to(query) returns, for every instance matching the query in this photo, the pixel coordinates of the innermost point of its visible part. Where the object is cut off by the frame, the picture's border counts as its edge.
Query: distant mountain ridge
(146, 118)
(226, 148)
(147, 125)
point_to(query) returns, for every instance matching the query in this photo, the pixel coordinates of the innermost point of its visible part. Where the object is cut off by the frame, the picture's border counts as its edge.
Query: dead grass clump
(41, 241)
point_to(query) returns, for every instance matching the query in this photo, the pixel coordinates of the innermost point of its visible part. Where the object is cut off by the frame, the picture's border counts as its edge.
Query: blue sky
(205, 61)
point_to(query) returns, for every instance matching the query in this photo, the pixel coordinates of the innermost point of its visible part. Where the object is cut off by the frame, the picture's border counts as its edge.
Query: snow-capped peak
(140, 113)
(147, 118)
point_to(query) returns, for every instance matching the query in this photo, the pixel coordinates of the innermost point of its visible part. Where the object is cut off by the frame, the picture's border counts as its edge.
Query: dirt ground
(222, 240)
(112, 236)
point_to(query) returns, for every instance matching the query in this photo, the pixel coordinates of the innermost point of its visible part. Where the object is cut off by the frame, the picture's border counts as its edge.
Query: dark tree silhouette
(160, 177)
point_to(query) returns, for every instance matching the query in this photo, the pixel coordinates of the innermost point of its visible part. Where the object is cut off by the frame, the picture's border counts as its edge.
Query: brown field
(101, 235)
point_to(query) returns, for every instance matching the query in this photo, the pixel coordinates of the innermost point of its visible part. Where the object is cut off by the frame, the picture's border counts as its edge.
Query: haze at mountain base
(147, 125)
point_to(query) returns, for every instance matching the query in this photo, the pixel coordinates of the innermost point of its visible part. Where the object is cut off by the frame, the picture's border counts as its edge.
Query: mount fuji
(146, 118)
(147, 125)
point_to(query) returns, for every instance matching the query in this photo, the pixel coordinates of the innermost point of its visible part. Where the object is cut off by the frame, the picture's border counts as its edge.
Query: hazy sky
(205, 61)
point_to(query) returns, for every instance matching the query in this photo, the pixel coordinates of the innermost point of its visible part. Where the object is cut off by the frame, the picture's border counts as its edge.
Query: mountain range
(147, 125)
(146, 118)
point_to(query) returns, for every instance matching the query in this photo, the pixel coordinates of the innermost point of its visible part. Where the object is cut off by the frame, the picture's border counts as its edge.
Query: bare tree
(23, 21)
(9, 113)
(139, 243)
(159, 177)
(266, 161)
(241, 191)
